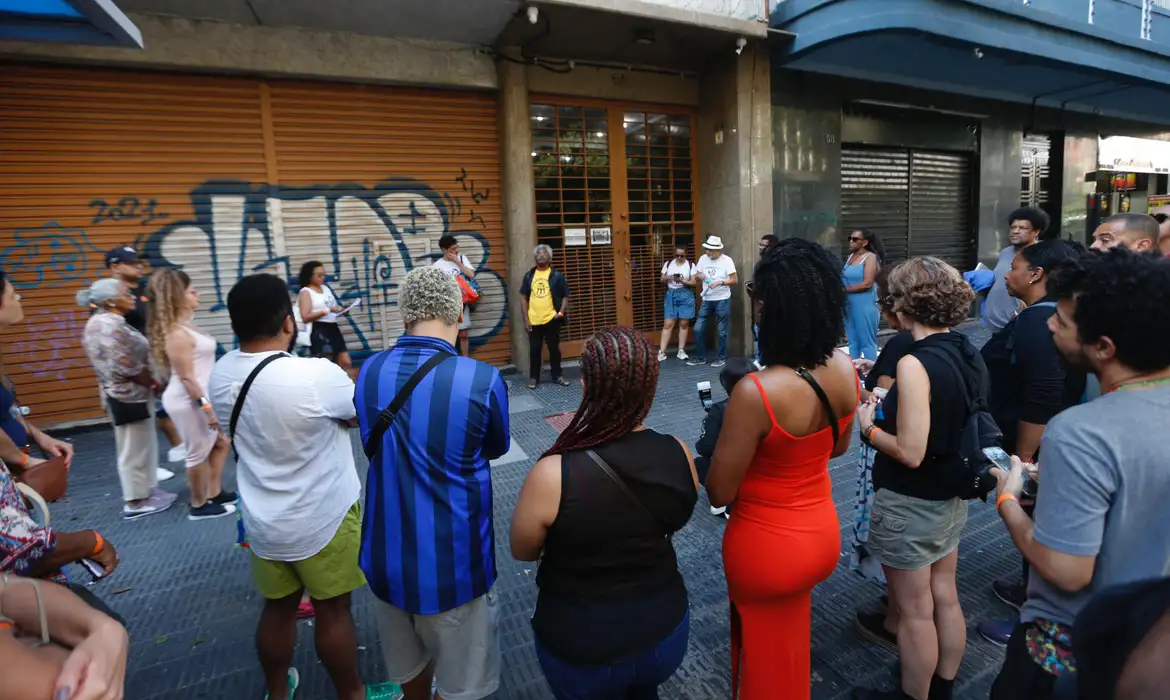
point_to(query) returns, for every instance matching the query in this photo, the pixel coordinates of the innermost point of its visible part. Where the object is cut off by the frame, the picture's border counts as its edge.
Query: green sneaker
(384, 691)
(294, 680)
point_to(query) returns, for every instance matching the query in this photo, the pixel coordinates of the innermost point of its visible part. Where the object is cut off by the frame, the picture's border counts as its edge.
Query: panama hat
(713, 243)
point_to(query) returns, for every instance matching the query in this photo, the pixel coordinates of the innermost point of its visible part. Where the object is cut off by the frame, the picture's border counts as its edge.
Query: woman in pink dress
(187, 356)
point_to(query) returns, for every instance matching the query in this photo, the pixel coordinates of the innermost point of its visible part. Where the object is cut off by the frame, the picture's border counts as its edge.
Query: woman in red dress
(772, 460)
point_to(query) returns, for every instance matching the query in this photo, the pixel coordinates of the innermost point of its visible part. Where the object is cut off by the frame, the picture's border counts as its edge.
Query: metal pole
(1147, 18)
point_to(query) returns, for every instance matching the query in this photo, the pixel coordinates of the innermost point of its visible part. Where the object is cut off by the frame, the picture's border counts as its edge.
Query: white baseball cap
(713, 243)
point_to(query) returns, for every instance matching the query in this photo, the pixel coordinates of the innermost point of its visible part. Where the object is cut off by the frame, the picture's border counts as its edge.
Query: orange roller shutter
(224, 177)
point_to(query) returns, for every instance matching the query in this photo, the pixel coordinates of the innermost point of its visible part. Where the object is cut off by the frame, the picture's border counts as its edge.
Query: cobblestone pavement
(186, 593)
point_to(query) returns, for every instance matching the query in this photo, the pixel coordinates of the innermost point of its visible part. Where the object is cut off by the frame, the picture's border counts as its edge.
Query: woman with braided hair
(772, 459)
(598, 510)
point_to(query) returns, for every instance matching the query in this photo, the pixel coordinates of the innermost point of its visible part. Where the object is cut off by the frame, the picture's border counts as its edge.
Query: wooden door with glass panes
(614, 195)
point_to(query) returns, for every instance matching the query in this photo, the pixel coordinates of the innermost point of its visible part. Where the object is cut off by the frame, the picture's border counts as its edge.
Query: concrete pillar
(735, 176)
(519, 192)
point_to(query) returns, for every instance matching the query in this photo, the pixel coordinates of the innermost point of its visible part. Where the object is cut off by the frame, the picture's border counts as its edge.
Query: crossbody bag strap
(807, 376)
(388, 414)
(974, 401)
(243, 394)
(621, 484)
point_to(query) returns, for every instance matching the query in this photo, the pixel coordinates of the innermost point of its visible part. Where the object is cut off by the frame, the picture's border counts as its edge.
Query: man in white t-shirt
(717, 275)
(299, 487)
(455, 264)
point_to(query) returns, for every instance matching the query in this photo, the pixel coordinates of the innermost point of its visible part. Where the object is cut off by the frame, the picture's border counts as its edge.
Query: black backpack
(980, 431)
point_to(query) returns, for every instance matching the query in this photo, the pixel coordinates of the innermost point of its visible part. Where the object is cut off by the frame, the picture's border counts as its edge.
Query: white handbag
(304, 330)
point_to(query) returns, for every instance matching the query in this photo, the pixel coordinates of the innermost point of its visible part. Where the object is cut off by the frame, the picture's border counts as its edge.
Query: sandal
(384, 691)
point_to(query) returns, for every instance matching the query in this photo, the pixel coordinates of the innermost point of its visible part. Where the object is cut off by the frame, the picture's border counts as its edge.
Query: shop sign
(1126, 154)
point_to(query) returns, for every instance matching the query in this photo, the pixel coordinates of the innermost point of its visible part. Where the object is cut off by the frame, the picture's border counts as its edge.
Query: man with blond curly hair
(430, 421)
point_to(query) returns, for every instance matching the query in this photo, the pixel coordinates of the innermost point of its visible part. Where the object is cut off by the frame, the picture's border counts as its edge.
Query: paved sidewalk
(186, 592)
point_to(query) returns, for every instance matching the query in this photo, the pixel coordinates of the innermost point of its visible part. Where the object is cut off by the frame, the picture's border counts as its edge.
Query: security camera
(739, 44)
(533, 14)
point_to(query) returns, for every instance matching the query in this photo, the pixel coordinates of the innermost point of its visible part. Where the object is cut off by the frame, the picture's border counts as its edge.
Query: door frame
(619, 196)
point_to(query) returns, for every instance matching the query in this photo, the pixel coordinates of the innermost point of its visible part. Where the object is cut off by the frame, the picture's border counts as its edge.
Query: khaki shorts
(462, 642)
(910, 533)
(332, 572)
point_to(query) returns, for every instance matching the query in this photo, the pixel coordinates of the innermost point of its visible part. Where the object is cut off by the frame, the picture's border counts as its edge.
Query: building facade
(234, 136)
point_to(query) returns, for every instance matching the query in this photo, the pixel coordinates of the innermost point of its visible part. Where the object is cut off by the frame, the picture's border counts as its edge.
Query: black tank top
(609, 580)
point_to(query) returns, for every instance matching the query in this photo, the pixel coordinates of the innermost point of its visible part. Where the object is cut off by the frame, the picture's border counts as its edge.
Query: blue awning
(985, 48)
(96, 22)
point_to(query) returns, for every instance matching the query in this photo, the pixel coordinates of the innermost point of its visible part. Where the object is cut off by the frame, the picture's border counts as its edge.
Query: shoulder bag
(625, 489)
(816, 387)
(386, 417)
(244, 394)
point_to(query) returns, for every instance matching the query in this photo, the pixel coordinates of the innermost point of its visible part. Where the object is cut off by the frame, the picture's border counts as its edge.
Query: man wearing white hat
(717, 274)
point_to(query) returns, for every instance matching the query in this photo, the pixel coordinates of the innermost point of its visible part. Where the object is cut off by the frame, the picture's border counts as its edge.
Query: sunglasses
(855, 239)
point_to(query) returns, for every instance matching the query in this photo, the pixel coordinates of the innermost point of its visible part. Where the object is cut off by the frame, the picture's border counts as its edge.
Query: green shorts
(332, 572)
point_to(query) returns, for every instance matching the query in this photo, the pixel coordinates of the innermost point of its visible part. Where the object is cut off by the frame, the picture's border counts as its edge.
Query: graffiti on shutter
(232, 235)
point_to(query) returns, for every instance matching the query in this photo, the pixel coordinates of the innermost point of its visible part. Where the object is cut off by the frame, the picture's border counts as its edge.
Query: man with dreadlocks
(611, 617)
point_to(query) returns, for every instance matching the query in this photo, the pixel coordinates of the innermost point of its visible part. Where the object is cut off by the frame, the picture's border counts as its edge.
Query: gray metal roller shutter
(875, 194)
(940, 207)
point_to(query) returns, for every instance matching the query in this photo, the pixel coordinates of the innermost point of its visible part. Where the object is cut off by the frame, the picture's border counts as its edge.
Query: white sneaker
(661, 356)
(718, 511)
(177, 453)
(682, 354)
(164, 474)
(149, 507)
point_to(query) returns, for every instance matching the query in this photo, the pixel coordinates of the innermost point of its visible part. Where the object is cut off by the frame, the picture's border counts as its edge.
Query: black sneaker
(226, 498)
(695, 362)
(871, 627)
(1014, 594)
(210, 510)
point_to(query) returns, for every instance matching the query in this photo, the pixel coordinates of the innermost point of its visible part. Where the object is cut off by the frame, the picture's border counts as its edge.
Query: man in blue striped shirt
(428, 545)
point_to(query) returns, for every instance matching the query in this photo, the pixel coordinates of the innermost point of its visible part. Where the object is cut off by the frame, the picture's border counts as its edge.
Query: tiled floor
(186, 592)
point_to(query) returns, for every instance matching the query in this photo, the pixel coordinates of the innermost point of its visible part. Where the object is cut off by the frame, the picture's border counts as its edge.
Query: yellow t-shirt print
(540, 301)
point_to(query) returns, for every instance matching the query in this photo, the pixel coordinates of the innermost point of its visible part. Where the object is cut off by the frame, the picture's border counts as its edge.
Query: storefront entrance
(615, 191)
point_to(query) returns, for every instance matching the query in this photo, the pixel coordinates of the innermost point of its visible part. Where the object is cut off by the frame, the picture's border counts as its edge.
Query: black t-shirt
(1029, 379)
(886, 364)
(942, 475)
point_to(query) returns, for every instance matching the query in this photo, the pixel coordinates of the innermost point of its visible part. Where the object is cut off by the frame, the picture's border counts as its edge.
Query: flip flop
(384, 691)
(305, 610)
(294, 680)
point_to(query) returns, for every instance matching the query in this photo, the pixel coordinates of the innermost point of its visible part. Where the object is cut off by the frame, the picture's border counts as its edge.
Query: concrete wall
(614, 84)
(735, 176)
(219, 47)
(806, 143)
(1000, 153)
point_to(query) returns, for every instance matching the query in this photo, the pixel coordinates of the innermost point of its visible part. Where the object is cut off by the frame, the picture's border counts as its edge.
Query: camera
(705, 395)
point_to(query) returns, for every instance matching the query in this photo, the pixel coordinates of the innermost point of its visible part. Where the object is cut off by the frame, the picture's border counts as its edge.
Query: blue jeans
(722, 311)
(636, 679)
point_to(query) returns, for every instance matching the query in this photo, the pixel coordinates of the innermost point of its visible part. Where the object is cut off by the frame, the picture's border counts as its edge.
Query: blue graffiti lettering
(368, 238)
(49, 256)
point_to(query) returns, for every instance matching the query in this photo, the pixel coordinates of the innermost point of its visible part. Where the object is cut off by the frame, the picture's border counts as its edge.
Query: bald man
(1137, 232)
(1163, 233)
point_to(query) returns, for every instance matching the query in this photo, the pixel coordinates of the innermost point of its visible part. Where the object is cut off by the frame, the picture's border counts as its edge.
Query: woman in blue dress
(859, 275)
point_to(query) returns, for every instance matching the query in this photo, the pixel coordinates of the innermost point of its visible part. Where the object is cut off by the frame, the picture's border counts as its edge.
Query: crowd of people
(1056, 420)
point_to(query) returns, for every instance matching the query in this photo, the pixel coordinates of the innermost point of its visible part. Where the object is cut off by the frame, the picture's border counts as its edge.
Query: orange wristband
(1002, 498)
(101, 544)
(23, 459)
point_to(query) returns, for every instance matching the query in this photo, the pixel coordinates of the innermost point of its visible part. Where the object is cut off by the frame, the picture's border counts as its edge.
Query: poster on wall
(575, 236)
(602, 235)
(1158, 204)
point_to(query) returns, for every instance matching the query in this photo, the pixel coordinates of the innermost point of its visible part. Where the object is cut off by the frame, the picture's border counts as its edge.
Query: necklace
(1127, 386)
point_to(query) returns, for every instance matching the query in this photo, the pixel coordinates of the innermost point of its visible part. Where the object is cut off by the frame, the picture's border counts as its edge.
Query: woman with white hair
(544, 301)
(120, 356)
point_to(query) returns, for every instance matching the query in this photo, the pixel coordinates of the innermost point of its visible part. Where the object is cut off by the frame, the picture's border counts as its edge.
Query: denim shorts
(679, 303)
